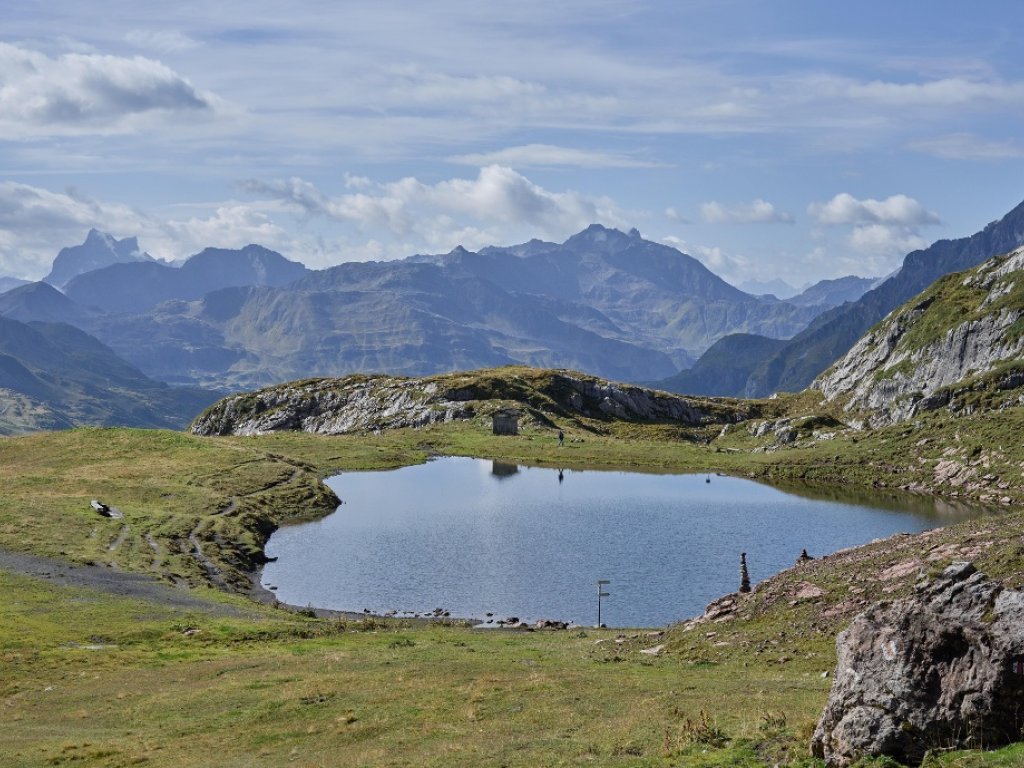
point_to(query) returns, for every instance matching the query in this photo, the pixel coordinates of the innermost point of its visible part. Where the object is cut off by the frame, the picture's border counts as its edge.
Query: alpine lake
(487, 540)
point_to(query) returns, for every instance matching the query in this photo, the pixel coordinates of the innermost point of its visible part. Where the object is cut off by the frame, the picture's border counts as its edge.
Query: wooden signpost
(600, 593)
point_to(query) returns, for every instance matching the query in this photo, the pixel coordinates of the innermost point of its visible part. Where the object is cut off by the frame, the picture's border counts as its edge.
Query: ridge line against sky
(793, 140)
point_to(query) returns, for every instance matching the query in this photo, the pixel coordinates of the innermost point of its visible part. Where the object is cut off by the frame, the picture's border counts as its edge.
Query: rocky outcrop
(943, 668)
(594, 397)
(370, 403)
(963, 327)
(331, 407)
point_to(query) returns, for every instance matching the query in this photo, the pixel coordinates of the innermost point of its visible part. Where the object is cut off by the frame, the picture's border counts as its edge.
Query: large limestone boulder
(942, 668)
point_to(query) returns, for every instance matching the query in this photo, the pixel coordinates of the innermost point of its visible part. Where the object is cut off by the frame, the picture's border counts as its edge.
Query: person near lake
(561, 437)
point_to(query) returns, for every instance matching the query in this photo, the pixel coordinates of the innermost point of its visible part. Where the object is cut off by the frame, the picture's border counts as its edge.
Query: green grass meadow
(89, 678)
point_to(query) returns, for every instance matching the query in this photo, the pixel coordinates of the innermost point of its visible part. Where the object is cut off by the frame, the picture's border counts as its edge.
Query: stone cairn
(744, 576)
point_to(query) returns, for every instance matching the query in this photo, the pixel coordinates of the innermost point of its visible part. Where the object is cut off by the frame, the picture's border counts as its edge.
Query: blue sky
(799, 140)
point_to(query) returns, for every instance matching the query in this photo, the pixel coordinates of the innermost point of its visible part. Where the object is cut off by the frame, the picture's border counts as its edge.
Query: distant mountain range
(832, 293)
(136, 287)
(54, 376)
(603, 301)
(776, 287)
(767, 368)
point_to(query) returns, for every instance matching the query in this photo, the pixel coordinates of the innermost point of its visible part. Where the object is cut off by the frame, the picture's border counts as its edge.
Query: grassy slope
(303, 691)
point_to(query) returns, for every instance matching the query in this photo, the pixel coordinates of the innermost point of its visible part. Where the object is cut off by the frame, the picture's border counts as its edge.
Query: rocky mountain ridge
(963, 334)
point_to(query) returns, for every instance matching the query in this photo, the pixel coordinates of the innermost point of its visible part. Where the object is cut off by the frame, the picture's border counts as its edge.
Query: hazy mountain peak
(776, 287)
(251, 265)
(832, 293)
(596, 233)
(599, 238)
(129, 246)
(40, 301)
(523, 250)
(10, 283)
(99, 250)
(252, 250)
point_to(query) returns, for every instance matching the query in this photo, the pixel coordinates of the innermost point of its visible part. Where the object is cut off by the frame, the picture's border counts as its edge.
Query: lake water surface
(474, 536)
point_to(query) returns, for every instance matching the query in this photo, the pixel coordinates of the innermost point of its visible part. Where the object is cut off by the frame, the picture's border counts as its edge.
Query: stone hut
(505, 422)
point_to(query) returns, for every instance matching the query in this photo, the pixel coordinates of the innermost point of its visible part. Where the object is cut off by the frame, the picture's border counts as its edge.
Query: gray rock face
(893, 379)
(330, 407)
(362, 403)
(943, 668)
(628, 402)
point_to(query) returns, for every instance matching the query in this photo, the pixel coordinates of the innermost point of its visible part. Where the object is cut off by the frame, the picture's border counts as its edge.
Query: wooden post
(601, 593)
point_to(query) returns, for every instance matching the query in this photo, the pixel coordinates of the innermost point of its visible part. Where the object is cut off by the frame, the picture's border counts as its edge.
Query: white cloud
(879, 230)
(412, 84)
(731, 267)
(549, 155)
(35, 223)
(947, 92)
(230, 226)
(496, 205)
(886, 240)
(162, 41)
(968, 146)
(755, 212)
(88, 93)
(844, 208)
(673, 215)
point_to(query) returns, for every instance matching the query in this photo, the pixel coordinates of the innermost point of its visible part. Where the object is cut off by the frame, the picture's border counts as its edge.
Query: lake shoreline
(515, 536)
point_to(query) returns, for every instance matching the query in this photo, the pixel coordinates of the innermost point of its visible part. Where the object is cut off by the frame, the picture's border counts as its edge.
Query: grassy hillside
(723, 369)
(54, 375)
